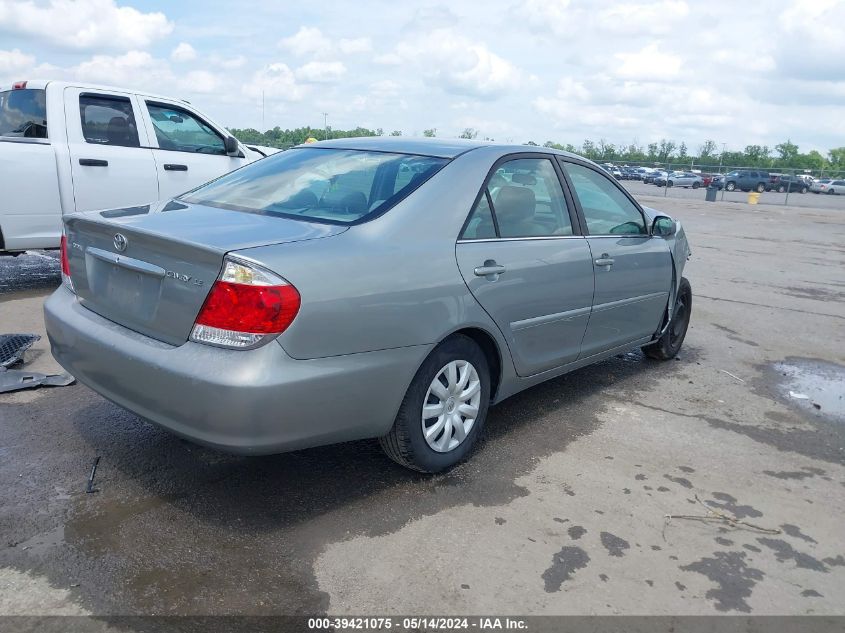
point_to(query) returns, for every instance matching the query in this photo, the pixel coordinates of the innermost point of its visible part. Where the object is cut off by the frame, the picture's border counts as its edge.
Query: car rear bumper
(256, 401)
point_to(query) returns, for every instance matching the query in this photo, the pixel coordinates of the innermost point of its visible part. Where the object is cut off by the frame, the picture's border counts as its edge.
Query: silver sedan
(382, 287)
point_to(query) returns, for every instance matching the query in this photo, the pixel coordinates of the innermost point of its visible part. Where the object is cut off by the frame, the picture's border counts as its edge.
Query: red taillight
(65, 263)
(19, 85)
(252, 309)
(244, 306)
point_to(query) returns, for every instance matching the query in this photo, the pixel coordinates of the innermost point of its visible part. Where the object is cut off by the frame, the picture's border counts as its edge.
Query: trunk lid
(171, 255)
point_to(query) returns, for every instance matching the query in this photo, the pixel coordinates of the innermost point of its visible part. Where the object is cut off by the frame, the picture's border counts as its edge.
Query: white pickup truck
(67, 147)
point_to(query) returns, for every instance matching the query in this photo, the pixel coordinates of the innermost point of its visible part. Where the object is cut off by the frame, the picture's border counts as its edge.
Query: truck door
(188, 150)
(110, 159)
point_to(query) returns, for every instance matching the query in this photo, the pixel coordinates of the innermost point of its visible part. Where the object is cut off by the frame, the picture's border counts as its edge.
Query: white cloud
(320, 72)
(203, 81)
(134, 69)
(94, 24)
(648, 63)
(233, 62)
(183, 53)
(308, 41)
(643, 18)
(353, 46)
(275, 80)
(388, 59)
(458, 64)
(14, 61)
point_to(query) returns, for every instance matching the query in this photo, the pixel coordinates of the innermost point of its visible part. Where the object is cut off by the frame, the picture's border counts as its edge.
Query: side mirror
(231, 145)
(663, 226)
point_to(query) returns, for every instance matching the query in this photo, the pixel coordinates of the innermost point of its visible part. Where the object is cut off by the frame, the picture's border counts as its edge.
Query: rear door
(633, 271)
(188, 150)
(110, 164)
(527, 265)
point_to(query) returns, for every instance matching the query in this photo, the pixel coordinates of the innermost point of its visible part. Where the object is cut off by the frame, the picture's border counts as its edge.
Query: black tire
(760, 187)
(405, 443)
(670, 184)
(668, 345)
(781, 189)
(804, 190)
(731, 186)
(696, 185)
(830, 192)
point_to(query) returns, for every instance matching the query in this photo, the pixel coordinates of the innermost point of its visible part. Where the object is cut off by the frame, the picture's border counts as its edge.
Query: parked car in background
(834, 187)
(746, 180)
(67, 147)
(649, 177)
(816, 185)
(226, 316)
(788, 183)
(680, 179)
(706, 179)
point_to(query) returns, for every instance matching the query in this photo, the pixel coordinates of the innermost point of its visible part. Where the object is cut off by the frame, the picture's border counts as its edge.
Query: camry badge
(120, 242)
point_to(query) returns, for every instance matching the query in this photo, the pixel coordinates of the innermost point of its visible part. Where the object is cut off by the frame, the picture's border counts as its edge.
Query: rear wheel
(804, 189)
(668, 345)
(781, 189)
(731, 186)
(444, 409)
(696, 185)
(760, 187)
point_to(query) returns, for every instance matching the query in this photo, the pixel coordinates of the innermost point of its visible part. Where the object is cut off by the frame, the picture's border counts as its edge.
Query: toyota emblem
(120, 242)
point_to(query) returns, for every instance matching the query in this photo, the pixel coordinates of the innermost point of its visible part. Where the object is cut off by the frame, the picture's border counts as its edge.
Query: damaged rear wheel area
(669, 344)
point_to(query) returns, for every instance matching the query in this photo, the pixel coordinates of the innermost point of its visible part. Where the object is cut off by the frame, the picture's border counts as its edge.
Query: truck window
(23, 113)
(108, 120)
(181, 131)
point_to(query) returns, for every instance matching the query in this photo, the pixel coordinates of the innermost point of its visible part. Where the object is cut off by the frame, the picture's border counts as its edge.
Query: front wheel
(670, 184)
(781, 189)
(830, 192)
(804, 190)
(668, 345)
(444, 409)
(731, 186)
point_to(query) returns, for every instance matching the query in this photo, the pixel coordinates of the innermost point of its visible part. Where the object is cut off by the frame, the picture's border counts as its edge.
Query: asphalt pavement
(694, 486)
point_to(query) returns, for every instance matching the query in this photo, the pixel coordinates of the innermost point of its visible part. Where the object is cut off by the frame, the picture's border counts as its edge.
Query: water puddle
(815, 386)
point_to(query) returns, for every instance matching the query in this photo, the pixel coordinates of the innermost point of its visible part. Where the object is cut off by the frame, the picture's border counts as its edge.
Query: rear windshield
(325, 185)
(23, 113)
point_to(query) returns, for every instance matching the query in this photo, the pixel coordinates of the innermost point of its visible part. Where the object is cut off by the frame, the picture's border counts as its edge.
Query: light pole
(325, 126)
(721, 156)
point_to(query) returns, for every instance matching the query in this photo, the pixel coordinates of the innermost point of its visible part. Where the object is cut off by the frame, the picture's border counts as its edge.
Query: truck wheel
(760, 187)
(804, 190)
(731, 186)
(444, 410)
(668, 345)
(781, 189)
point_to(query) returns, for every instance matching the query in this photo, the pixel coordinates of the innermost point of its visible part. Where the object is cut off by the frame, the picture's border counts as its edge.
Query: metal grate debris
(13, 346)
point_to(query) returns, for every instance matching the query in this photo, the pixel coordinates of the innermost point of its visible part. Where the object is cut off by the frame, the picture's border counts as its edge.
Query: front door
(110, 165)
(188, 150)
(633, 271)
(526, 266)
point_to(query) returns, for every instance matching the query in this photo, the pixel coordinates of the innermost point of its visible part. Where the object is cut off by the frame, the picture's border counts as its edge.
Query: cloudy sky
(739, 72)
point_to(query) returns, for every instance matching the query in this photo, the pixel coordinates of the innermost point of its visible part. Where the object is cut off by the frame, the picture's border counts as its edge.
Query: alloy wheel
(451, 406)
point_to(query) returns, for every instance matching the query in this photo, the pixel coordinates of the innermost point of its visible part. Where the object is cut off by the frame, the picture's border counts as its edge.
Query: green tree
(430, 133)
(788, 151)
(707, 151)
(469, 133)
(396, 133)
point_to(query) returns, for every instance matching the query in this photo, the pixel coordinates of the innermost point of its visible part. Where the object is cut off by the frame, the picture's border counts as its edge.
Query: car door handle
(93, 162)
(490, 268)
(175, 167)
(605, 260)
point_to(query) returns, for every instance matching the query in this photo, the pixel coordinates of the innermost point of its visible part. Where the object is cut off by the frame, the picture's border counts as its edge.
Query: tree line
(784, 155)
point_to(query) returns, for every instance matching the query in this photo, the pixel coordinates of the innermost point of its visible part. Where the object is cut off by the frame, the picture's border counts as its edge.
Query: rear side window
(330, 185)
(527, 201)
(181, 131)
(108, 120)
(23, 113)
(606, 209)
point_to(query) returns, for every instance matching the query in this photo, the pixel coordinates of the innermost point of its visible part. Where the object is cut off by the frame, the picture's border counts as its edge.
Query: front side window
(23, 113)
(527, 201)
(108, 120)
(181, 131)
(606, 209)
(331, 185)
